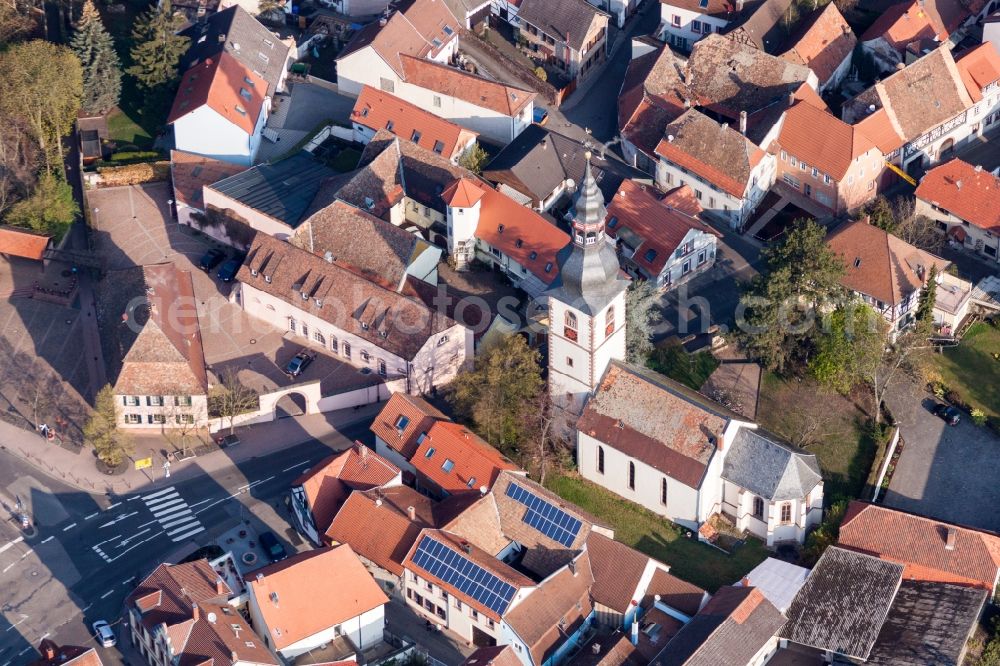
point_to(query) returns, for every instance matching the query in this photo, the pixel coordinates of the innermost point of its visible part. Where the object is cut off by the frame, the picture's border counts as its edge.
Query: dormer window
(548, 267)
(533, 255)
(267, 278)
(500, 228)
(305, 296)
(402, 422)
(518, 243)
(253, 272)
(319, 302)
(240, 110)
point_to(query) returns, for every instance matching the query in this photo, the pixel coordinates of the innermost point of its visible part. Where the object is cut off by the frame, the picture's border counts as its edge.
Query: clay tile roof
(651, 96)
(715, 152)
(475, 555)
(822, 42)
(418, 28)
(569, 21)
(313, 591)
(674, 592)
(329, 483)
(66, 655)
(224, 85)
(463, 193)
(388, 508)
(656, 421)
(556, 609)
(879, 264)
(166, 594)
(384, 318)
(402, 435)
(902, 24)
(166, 357)
(966, 191)
(661, 223)
(879, 128)
(495, 655)
(17, 242)
(920, 544)
(475, 90)
(617, 570)
(377, 110)
(217, 642)
(979, 68)
(190, 172)
(720, 8)
(457, 460)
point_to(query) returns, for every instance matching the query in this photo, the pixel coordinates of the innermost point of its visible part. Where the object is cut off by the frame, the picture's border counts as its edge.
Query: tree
(102, 76)
(898, 217)
(547, 443)
(20, 158)
(50, 209)
(42, 83)
(157, 49)
(231, 398)
(474, 159)
(778, 308)
(112, 445)
(850, 347)
(266, 7)
(499, 393)
(15, 21)
(641, 314)
(925, 308)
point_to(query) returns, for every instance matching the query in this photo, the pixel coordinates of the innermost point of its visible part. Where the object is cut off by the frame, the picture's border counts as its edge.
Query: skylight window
(533, 255)
(448, 465)
(612, 223)
(650, 255)
(703, 4)
(247, 80)
(245, 94)
(388, 125)
(430, 452)
(548, 267)
(436, 42)
(500, 228)
(402, 422)
(240, 110)
(518, 243)
(448, 30)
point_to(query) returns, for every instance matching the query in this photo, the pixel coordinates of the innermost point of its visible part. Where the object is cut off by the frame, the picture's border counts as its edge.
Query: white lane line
(18, 622)
(111, 506)
(200, 503)
(181, 537)
(132, 499)
(86, 608)
(107, 524)
(224, 499)
(127, 540)
(158, 493)
(47, 539)
(27, 649)
(9, 567)
(296, 465)
(7, 546)
(69, 527)
(185, 519)
(107, 594)
(47, 634)
(93, 515)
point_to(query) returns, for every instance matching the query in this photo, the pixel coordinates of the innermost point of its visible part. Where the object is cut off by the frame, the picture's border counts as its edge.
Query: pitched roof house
(318, 494)
(769, 468)
(966, 200)
(823, 42)
(495, 655)
(571, 34)
(452, 459)
(980, 69)
(762, 26)
(904, 24)
(53, 654)
(311, 598)
(401, 422)
(18, 242)
(377, 109)
(189, 174)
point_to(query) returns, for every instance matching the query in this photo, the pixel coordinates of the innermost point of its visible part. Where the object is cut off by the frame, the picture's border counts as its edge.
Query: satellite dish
(670, 138)
(212, 617)
(378, 502)
(570, 184)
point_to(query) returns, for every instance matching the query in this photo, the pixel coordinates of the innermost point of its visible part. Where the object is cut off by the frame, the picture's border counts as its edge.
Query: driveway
(948, 473)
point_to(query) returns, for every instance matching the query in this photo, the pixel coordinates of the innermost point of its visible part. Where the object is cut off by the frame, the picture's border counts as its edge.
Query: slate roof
(475, 90)
(567, 21)
(844, 603)
(18, 242)
(929, 624)
(237, 33)
(617, 570)
(384, 318)
(190, 172)
(657, 421)
(166, 357)
(770, 468)
(821, 42)
(921, 545)
(226, 86)
(716, 152)
(538, 161)
(879, 264)
(968, 192)
(281, 190)
(730, 629)
(419, 415)
(364, 244)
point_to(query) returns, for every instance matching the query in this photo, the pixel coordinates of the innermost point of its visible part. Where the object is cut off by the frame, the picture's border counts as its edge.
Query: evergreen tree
(925, 310)
(157, 48)
(102, 76)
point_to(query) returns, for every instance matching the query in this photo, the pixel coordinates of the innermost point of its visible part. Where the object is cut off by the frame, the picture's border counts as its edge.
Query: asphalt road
(90, 550)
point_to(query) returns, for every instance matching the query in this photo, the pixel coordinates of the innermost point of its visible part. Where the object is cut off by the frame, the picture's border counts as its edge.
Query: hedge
(133, 174)
(129, 155)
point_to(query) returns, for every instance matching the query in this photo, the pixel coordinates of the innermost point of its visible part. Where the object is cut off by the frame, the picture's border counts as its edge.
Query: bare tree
(549, 437)
(182, 429)
(231, 398)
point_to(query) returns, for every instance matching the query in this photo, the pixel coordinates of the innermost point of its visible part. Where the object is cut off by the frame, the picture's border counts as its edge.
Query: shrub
(540, 73)
(955, 398)
(938, 389)
(130, 155)
(133, 174)
(978, 417)
(825, 535)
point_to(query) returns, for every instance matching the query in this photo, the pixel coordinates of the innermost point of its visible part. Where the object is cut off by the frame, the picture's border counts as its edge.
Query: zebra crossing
(173, 514)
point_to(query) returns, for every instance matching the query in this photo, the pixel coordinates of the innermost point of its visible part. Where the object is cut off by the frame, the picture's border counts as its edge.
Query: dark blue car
(228, 270)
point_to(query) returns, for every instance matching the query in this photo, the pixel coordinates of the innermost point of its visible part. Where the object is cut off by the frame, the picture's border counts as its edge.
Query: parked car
(104, 635)
(540, 115)
(229, 270)
(299, 363)
(275, 551)
(211, 259)
(949, 414)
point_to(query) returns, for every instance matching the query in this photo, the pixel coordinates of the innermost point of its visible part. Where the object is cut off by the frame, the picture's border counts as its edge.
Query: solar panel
(456, 570)
(545, 517)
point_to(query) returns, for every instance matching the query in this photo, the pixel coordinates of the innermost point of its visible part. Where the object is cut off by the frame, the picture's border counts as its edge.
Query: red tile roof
(190, 172)
(328, 484)
(380, 110)
(965, 191)
(167, 593)
(473, 462)
(495, 655)
(66, 655)
(979, 68)
(822, 140)
(904, 23)
(617, 571)
(453, 82)
(879, 128)
(224, 85)
(921, 545)
(660, 224)
(463, 193)
(823, 42)
(419, 415)
(17, 242)
(313, 591)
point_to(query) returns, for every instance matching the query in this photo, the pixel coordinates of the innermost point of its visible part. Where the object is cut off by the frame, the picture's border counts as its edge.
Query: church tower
(586, 303)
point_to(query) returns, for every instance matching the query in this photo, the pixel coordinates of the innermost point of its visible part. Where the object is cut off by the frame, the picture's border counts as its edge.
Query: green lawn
(124, 130)
(971, 369)
(689, 369)
(689, 559)
(825, 423)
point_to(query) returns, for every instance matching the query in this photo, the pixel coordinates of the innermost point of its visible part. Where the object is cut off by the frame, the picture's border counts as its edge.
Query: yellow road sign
(143, 463)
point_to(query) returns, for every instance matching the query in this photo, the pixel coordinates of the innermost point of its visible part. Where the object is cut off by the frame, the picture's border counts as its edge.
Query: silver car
(104, 635)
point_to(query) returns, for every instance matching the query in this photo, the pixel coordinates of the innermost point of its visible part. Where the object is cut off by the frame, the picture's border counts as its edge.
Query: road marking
(188, 526)
(127, 540)
(111, 506)
(164, 499)
(196, 530)
(186, 519)
(17, 623)
(219, 501)
(47, 634)
(27, 649)
(171, 510)
(47, 539)
(288, 469)
(69, 527)
(93, 515)
(107, 594)
(10, 545)
(107, 524)
(132, 499)
(164, 510)
(158, 493)
(9, 567)
(86, 608)
(200, 503)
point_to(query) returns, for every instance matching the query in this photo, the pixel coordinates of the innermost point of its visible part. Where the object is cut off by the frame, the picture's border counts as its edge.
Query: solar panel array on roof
(456, 570)
(545, 517)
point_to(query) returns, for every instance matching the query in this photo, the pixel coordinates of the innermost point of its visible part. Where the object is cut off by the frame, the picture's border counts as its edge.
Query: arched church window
(569, 325)
(609, 321)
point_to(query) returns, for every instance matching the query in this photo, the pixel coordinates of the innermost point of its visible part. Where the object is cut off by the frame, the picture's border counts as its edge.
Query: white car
(104, 635)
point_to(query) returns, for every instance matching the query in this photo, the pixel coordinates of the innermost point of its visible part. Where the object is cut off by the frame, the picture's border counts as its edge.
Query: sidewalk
(78, 469)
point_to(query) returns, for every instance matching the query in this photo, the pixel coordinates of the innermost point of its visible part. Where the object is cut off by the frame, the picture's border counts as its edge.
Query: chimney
(949, 543)
(743, 123)
(411, 513)
(195, 612)
(791, 97)
(745, 582)
(50, 651)
(979, 168)
(572, 567)
(466, 548)
(635, 629)
(260, 578)
(235, 657)
(220, 586)
(596, 648)
(958, 184)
